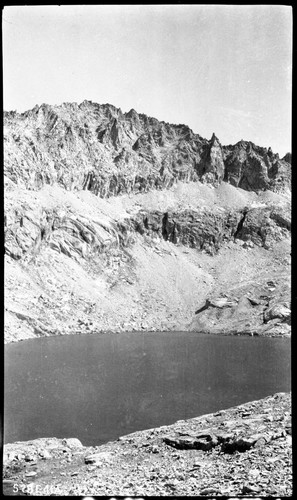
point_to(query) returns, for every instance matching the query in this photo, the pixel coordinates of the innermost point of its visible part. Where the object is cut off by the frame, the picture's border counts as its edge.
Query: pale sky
(223, 69)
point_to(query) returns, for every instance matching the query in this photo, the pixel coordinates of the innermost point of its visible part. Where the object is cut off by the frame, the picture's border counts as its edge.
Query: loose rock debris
(241, 451)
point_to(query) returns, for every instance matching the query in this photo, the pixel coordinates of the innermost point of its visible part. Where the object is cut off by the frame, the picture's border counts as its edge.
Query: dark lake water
(100, 387)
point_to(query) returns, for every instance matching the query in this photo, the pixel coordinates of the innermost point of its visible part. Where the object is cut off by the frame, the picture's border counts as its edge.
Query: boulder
(72, 443)
(280, 311)
(97, 458)
(203, 441)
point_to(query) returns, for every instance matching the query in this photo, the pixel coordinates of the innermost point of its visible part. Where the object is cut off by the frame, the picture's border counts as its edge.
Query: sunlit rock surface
(116, 221)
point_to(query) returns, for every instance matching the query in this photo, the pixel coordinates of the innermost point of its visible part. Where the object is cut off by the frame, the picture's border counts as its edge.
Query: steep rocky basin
(100, 387)
(117, 222)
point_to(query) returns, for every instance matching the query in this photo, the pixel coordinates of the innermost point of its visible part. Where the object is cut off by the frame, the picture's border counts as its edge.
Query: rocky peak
(212, 162)
(288, 158)
(132, 114)
(214, 141)
(242, 144)
(70, 143)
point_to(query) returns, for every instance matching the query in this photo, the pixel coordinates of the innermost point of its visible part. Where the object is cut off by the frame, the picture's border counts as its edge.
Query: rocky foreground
(241, 451)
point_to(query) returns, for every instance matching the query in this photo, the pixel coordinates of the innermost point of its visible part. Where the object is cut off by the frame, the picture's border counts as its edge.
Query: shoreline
(137, 332)
(242, 450)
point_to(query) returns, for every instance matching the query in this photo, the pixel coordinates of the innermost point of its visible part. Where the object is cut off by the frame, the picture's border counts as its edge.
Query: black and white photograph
(147, 250)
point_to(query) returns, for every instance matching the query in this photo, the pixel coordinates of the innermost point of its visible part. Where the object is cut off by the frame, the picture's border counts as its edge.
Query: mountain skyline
(222, 69)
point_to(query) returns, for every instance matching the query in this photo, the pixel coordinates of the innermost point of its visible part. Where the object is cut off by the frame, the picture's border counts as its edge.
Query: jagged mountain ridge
(98, 148)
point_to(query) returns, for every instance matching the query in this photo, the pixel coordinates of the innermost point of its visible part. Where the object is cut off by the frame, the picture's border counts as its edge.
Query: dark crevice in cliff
(174, 238)
(165, 226)
(89, 182)
(203, 308)
(226, 177)
(281, 220)
(240, 224)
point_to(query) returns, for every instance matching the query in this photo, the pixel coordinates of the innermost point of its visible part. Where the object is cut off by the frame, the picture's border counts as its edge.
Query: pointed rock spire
(214, 139)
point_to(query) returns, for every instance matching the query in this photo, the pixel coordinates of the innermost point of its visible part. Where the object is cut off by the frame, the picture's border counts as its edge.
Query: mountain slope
(116, 221)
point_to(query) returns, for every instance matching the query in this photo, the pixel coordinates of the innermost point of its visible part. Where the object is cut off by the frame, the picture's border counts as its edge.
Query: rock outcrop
(74, 234)
(241, 451)
(210, 229)
(256, 309)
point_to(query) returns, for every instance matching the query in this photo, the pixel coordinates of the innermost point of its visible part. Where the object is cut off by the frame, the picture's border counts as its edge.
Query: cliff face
(208, 230)
(116, 221)
(100, 149)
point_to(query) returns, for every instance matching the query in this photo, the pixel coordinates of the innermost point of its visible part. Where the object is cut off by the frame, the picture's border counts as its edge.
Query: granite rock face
(209, 229)
(73, 235)
(100, 149)
(254, 168)
(29, 227)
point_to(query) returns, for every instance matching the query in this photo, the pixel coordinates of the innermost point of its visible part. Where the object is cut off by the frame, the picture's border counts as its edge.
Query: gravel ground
(241, 451)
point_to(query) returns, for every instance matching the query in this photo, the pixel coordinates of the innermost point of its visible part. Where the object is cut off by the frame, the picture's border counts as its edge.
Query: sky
(222, 69)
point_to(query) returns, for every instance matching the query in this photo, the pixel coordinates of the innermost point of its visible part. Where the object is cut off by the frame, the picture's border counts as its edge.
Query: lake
(100, 387)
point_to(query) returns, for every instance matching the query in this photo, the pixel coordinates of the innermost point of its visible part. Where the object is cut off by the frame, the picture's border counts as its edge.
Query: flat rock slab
(97, 458)
(203, 441)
